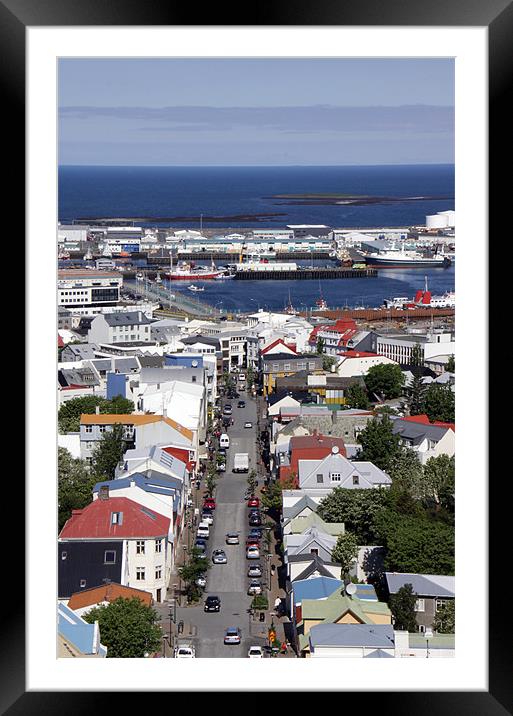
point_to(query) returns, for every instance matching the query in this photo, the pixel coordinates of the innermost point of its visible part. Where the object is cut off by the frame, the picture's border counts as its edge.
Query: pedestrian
(277, 604)
(283, 649)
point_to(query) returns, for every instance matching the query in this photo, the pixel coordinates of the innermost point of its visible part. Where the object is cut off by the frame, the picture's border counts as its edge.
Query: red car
(253, 502)
(252, 541)
(209, 503)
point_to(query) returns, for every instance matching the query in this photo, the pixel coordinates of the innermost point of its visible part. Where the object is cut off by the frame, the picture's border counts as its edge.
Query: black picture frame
(497, 16)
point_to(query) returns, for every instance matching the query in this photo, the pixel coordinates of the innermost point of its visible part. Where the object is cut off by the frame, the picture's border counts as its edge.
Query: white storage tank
(436, 221)
(450, 217)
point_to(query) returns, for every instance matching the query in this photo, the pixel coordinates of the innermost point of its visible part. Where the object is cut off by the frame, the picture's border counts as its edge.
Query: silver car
(254, 588)
(255, 570)
(219, 556)
(232, 538)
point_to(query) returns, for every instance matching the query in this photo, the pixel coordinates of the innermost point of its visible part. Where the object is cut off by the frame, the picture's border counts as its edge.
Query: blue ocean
(189, 192)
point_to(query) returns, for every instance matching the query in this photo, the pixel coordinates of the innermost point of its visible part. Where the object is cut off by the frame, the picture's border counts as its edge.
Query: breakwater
(306, 274)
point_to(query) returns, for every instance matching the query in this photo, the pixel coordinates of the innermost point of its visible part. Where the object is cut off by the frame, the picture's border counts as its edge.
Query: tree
(402, 606)
(272, 497)
(416, 392)
(250, 376)
(108, 453)
(385, 380)
(356, 397)
(357, 509)
(70, 412)
(345, 552)
(379, 443)
(439, 403)
(439, 482)
(417, 359)
(451, 365)
(75, 485)
(128, 627)
(328, 362)
(406, 472)
(210, 481)
(415, 545)
(445, 618)
(321, 344)
(252, 481)
(195, 567)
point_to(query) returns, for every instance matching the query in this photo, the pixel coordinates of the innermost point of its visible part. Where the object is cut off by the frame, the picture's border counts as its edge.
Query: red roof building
(425, 421)
(115, 518)
(280, 343)
(309, 447)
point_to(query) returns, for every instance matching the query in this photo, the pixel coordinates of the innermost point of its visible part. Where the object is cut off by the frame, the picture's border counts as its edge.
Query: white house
(335, 470)
(356, 363)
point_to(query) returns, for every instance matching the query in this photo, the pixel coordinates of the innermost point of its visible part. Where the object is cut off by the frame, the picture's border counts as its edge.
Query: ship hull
(193, 276)
(376, 262)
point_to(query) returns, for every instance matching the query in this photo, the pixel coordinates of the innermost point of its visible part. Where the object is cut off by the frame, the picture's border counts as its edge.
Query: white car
(248, 424)
(203, 530)
(255, 652)
(185, 651)
(252, 553)
(208, 518)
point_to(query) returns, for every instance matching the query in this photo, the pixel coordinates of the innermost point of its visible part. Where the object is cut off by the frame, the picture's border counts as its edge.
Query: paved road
(229, 581)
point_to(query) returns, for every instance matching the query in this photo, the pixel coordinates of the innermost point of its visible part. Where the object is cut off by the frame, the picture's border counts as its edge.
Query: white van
(224, 441)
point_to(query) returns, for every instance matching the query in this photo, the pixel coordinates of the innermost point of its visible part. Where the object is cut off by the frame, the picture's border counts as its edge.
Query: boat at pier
(399, 258)
(186, 271)
(195, 288)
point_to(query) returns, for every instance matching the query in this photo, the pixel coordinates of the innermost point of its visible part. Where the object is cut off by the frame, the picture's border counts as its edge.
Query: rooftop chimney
(103, 493)
(97, 409)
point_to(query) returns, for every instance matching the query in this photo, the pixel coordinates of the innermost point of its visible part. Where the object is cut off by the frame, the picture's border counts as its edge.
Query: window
(158, 545)
(320, 479)
(311, 365)
(439, 603)
(116, 518)
(335, 476)
(286, 366)
(110, 557)
(102, 428)
(64, 555)
(158, 572)
(140, 574)
(82, 583)
(419, 605)
(356, 480)
(139, 547)
(314, 551)
(89, 428)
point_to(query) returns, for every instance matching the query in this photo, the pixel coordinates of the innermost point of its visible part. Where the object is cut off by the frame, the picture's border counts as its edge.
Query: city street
(229, 581)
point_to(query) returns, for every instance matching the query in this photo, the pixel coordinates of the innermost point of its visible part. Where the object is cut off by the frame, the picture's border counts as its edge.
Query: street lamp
(428, 634)
(172, 620)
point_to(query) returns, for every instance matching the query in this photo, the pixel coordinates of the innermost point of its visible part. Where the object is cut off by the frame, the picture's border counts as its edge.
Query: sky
(255, 112)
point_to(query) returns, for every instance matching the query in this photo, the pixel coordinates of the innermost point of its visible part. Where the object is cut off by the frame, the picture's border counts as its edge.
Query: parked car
(255, 570)
(227, 410)
(253, 502)
(241, 404)
(252, 539)
(209, 503)
(255, 532)
(232, 538)
(226, 422)
(248, 424)
(221, 467)
(212, 604)
(185, 651)
(254, 588)
(255, 652)
(232, 636)
(219, 556)
(203, 530)
(201, 581)
(207, 517)
(200, 542)
(252, 552)
(255, 520)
